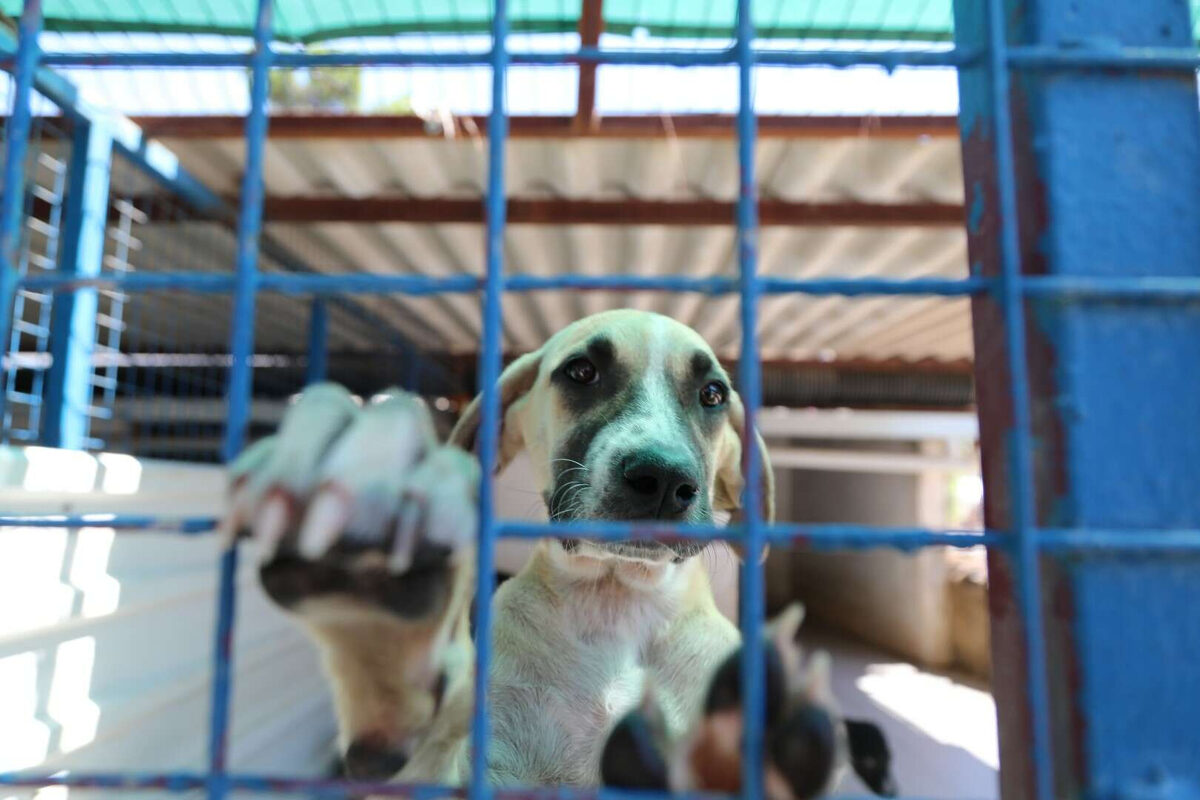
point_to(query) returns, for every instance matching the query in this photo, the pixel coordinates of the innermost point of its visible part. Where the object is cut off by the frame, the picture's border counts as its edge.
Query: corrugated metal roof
(886, 170)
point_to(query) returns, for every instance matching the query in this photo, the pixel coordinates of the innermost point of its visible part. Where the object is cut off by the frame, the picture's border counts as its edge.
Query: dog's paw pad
(368, 759)
(802, 750)
(632, 757)
(725, 691)
(805, 739)
(359, 573)
(288, 579)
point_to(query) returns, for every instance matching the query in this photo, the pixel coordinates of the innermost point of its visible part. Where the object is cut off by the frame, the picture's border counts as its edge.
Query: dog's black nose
(658, 485)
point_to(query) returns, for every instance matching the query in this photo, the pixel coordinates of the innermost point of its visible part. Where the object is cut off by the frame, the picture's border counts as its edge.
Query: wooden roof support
(561, 211)
(366, 126)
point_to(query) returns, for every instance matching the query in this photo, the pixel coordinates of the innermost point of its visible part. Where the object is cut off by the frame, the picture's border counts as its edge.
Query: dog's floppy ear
(515, 382)
(730, 480)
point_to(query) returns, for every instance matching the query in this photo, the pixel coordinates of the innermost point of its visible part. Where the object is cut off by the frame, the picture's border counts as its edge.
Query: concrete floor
(941, 726)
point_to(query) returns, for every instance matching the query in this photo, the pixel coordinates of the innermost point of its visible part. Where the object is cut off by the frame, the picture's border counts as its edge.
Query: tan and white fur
(366, 526)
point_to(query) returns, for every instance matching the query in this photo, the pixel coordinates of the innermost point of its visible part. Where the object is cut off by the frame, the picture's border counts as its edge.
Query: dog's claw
(270, 524)
(322, 525)
(344, 501)
(406, 535)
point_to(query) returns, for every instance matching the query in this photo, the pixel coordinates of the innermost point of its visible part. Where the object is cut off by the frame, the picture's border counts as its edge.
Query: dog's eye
(713, 394)
(582, 371)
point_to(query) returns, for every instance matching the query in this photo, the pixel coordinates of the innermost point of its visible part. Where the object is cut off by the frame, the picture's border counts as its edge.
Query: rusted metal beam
(527, 211)
(556, 211)
(363, 126)
(591, 25)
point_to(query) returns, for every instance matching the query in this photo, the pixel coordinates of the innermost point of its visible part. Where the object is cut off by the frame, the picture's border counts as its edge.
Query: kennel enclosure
(1080, 136)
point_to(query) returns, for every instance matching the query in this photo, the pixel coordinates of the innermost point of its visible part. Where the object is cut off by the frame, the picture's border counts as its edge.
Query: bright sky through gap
(532, 90)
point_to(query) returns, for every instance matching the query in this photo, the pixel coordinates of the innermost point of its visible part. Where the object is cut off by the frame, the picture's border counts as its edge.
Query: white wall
(106, 639)
(896, 600)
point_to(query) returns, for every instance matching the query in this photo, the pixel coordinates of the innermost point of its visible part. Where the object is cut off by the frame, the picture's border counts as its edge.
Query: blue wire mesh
(158, 367)
(38, 244)
(1024, 542)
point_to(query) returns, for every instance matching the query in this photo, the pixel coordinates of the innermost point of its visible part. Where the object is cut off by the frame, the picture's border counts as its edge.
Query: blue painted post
(489, 376)
(241, 348)
(249, 231)
(73, 316)
(750, 608)
(1091, 178)
(318, 342)
(16, 145)
(991, 95)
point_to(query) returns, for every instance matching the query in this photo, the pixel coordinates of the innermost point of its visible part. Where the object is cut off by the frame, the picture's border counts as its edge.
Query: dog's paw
(634, 755)
(806, 743)
(356, 504)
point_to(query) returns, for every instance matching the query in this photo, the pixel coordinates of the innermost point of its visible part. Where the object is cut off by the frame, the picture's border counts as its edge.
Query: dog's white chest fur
(568, 663)
(554, 732)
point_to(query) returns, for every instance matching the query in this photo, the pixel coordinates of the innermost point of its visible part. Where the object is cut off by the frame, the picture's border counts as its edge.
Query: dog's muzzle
(643, 549)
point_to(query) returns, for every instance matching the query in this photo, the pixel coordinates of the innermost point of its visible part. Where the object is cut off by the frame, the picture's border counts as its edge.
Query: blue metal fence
(38, 242)
(984, 54)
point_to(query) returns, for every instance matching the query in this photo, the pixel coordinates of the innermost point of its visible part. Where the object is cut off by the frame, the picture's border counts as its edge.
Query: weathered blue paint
(489, 376)
(751, 600)
(249, 230)
(683, 57)
(1021, 683)
(318, 342)
(1094, 194)
(241, 348)
(16, 145)
(1052, 287)
(1118, 157)
(73, 317)
(300, 281)
(1022, 497)
(120, 522)
(1100, 53)
(819, 536)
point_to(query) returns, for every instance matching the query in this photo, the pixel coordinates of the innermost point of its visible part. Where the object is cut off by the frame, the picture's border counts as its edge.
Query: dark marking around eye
(702, 364)
(582, 397)
(601, 349)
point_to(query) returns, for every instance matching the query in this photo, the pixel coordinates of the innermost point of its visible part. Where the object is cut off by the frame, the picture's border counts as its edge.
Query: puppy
(610, 661)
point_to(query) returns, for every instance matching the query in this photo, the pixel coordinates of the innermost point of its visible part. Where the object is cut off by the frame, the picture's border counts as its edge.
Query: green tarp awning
(317, 20)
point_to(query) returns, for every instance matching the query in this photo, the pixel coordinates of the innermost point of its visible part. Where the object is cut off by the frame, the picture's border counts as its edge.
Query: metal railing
(1024, 542)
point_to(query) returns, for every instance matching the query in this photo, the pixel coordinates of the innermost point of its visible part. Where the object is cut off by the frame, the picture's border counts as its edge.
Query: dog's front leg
(807, 744)
(365, 531)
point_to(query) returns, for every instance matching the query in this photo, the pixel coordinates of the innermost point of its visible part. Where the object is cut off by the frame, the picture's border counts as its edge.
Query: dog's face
(626, 415)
